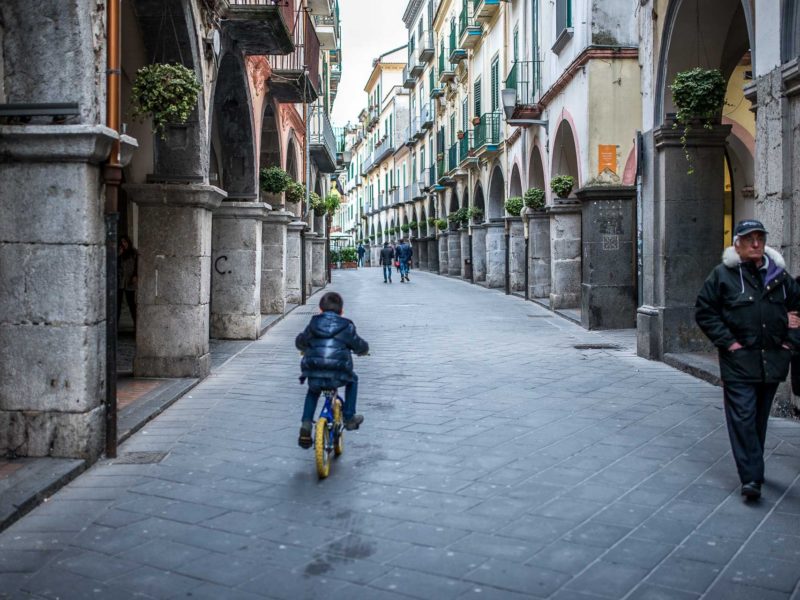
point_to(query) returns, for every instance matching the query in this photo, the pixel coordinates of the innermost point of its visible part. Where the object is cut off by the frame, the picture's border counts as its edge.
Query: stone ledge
(242, 210)
(56, 143)
(196, 195)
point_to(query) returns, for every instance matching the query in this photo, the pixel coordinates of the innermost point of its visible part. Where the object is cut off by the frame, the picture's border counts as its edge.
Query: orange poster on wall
(607, 158)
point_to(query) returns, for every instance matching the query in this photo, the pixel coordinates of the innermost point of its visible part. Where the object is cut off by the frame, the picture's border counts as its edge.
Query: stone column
(464, 249)
(454, 265)
(495, 254)
(479, 252)
(516, 262)
(565, 250)
(52, 290)
(539, 246)
(236, 270)
(309, 250)
(608, 281)
(274, 262)
(319, 273)
(682, 237)
(433, 254)
(293, 263)
(174, 278)
(421, 253)
(444, 259)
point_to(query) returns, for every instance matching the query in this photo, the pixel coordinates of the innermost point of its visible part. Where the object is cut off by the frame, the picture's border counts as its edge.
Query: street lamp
(509, 96)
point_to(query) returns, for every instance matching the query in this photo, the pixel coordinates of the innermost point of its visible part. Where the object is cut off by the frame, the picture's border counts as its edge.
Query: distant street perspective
(505, 453)
(392, 299)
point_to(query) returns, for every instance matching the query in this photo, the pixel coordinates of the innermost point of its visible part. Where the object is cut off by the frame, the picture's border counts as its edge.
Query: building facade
(214, 252)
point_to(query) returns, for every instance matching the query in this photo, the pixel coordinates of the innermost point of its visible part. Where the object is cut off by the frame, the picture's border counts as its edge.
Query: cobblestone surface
(497, 460)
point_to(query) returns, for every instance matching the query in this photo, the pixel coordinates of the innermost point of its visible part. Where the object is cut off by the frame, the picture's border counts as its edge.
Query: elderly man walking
(743, 309)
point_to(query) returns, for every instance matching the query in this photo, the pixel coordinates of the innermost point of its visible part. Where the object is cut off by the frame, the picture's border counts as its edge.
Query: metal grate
(139, 458)
(597, 347)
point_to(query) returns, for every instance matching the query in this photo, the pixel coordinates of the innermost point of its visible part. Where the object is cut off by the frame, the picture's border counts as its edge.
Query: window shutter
(464, 115)
(495, 91)
(477, 92)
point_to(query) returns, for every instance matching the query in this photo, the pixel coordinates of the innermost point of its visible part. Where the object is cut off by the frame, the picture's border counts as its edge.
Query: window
(495, 91)
(516, 43)
(464, 115)
(452, 128)
(477, 97)
(563, 24)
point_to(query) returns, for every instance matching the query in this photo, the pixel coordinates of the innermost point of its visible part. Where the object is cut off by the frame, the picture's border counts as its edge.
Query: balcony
(336, 76)
(383, 151)
(366, 166)
(327, 29)
(409, 80)
(485, 10)
(324, 8)
(407, 193)
(465, 150)
(395, 195)
(525, 79)
(469, 31)
(322, 141)
(446, 71)
(409, 138)
(452, 158)
(487, 133)
(295, 77)
(259, 27)
(426, 116)
(426, 48)
(418, 189)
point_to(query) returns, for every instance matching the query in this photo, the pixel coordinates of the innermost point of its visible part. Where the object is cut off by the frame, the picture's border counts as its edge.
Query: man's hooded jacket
(739, 303)
(327, 343)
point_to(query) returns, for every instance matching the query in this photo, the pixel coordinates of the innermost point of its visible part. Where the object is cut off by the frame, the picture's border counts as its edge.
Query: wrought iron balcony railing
(525, 78)
(322, 141)
(296, 76)
(487, 132)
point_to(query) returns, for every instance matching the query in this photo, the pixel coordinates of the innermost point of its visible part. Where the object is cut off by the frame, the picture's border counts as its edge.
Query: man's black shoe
(353, 422)
(752, 490)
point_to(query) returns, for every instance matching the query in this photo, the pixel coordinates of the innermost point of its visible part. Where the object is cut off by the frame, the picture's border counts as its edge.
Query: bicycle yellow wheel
(320, 452)
(338, 443)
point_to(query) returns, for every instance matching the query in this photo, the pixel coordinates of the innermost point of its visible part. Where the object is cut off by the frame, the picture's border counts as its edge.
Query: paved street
(497, 460)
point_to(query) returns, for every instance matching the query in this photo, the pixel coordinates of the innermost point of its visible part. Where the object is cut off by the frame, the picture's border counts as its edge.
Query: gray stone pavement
(497, 460)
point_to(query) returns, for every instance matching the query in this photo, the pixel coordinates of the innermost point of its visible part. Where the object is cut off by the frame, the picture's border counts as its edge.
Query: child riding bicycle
(327, 343)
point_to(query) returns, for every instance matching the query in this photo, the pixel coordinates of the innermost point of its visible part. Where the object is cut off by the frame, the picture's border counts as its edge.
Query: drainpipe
(112, 176)
(504, 62)
(306, 162)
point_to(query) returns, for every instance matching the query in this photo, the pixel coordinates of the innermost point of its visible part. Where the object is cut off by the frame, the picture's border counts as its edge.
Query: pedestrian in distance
(361, 251)
(327, 344)
(743, 308)
(387, 258)
(404, 254)
(127, 276)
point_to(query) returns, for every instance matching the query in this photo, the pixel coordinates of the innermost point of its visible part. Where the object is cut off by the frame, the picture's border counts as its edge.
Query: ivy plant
(514, 205)
(405, 227)
(295, 192)
(698, 94)
(165, 92)
(273, 180)
(475, 213)
(441, 224)
(431, 220)
(316, 204)
(535, 198)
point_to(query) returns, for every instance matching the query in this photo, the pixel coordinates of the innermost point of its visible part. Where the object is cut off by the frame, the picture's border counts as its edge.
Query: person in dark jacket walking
(328, 343)
(387, 256)
(404, 254)
(743, 309)
(361, 252)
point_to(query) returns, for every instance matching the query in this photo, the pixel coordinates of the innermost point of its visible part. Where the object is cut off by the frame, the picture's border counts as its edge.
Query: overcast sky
(369, 28)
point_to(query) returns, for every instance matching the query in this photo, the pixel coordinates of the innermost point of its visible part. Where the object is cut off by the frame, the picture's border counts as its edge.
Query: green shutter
(495, 91)
(516, 44)
(464, 115)
(477, 97)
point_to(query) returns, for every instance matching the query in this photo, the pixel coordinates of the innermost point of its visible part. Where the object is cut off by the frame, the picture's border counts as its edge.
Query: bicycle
(329, 433)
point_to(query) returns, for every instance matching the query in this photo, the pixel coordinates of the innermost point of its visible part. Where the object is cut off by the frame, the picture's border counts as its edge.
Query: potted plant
(475, 213)
(441, 224)
(562, 185)
(699, 95)
(460, 134)
(440, 156)
(331, 203)
(295, 192)
(534, 198)
(335, 259)
(431, 220)
(317, 204)
(514, 205)
(349, 258)
(413, 225)
(165, 92)
(476, 120)
(273, 182)
(405, 227)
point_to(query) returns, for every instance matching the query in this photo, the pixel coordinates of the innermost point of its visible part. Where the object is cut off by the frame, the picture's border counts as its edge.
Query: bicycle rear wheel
(338, 429)
(321, 453)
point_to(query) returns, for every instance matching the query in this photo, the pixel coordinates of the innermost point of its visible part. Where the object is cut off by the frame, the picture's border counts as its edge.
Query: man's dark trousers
(747, 407)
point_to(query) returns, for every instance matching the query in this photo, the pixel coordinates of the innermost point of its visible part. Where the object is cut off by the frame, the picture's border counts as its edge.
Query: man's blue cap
(748, 226)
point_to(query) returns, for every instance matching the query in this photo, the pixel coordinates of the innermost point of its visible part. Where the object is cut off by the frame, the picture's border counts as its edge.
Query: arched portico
(539, 232)
(693, 214)
(479, 236)
(515, 183)
(495, 230)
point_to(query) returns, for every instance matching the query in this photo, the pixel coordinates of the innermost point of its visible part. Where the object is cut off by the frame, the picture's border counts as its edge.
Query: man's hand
(734, 347)
(794, 319)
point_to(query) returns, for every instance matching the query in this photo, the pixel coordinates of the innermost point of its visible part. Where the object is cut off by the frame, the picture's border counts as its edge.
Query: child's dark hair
(331, 301)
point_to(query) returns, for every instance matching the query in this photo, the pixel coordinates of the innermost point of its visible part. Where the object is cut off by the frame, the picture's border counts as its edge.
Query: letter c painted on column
(216, 265)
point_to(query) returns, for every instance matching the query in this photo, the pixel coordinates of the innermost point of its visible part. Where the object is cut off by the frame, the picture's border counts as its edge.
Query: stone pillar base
(454, 265)
(309, 251)
(274, 247)
(319, 275)
(565, 250)
(516, 260)
(539, 247)
(444, 259)
(433, 254)
(293, 263)
(174, 278)
(464, 251)
(495, 254)
(236, 273)
(479, 252)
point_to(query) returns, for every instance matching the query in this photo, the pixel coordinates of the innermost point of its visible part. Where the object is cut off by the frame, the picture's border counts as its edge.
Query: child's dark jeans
(315, 387)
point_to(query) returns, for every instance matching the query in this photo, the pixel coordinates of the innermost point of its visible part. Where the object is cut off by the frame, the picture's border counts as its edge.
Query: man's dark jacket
(387, 254)
(327, 342)
(404, 252)
(736, 305)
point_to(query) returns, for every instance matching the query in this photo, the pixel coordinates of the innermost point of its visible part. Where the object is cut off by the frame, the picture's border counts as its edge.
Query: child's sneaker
(304, 441)
(353, 422)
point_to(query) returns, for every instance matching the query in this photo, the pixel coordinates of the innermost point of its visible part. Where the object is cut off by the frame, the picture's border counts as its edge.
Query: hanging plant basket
(167, 93)
(476, 120)
(562, 185)
(699, 95)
